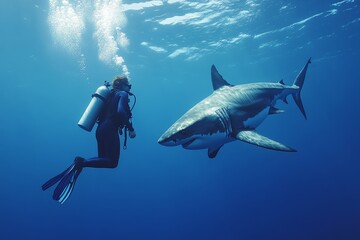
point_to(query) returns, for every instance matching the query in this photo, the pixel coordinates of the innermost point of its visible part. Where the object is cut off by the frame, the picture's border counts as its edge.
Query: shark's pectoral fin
(253, 137)
(213, 151)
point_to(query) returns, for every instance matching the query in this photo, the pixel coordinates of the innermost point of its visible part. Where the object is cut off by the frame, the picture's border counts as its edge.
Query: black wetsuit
(116, 115)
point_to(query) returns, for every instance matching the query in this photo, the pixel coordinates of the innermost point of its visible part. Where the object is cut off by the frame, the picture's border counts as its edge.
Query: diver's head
(121, 83)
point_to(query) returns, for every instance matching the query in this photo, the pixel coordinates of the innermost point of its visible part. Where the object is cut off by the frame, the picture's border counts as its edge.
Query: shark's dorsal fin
(252, 137)
(212, 152)
(282, 82)
(217, 79)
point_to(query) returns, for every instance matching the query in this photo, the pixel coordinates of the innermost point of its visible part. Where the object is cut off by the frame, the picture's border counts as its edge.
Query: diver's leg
(97, 162)
(108, 148)
(108, 155)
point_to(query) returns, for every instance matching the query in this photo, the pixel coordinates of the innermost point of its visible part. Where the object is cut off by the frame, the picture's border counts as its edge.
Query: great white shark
(232, 112)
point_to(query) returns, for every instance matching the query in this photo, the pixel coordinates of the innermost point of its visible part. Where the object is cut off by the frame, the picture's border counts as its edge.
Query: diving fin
(64, 189)
(66, 179)
(57, 178)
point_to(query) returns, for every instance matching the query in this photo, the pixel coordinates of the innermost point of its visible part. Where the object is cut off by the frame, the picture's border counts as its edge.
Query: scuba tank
(95, 107)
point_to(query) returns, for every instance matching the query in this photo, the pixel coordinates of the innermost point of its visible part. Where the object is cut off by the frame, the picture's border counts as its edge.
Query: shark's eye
(183, 132)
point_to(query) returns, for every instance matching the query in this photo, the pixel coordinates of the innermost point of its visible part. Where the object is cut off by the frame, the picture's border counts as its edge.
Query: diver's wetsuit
(116, 115)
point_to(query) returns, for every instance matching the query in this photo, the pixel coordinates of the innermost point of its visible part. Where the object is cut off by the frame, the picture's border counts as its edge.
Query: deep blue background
(171, 193)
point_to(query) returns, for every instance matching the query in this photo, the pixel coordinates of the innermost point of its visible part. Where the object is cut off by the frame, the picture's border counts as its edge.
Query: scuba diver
(110, 109)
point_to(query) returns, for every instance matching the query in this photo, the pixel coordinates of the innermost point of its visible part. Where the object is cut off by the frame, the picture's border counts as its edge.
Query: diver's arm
(124, 110)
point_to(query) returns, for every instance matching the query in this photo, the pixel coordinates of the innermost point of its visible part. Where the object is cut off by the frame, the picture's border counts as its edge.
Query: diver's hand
(132, 134)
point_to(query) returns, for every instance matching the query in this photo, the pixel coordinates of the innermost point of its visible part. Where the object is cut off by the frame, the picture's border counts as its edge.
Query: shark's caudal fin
(299, 81)
(217, 79)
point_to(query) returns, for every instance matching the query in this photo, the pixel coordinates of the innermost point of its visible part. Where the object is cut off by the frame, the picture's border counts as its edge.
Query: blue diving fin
(57, 178)
(64, 189)
(66, 181)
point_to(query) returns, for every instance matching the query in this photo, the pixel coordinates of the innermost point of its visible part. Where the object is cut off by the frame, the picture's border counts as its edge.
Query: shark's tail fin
(299, 82)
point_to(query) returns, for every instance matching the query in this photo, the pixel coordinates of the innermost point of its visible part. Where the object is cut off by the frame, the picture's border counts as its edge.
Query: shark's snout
(171, 138)
(165, 140)
(162, 141)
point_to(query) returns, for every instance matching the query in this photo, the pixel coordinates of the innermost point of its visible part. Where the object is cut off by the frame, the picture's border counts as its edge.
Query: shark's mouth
(188, 143)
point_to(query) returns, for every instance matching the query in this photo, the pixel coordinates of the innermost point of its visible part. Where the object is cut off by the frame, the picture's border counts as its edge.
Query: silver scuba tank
(96, 105)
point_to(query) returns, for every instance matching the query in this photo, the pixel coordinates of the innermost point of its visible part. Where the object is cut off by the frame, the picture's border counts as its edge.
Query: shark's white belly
(208, 141)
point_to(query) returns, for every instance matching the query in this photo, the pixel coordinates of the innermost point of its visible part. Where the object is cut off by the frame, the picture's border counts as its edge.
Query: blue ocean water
(56, 53)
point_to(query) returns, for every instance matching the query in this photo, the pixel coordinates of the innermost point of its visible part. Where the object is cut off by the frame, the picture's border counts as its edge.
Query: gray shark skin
(232, 112)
